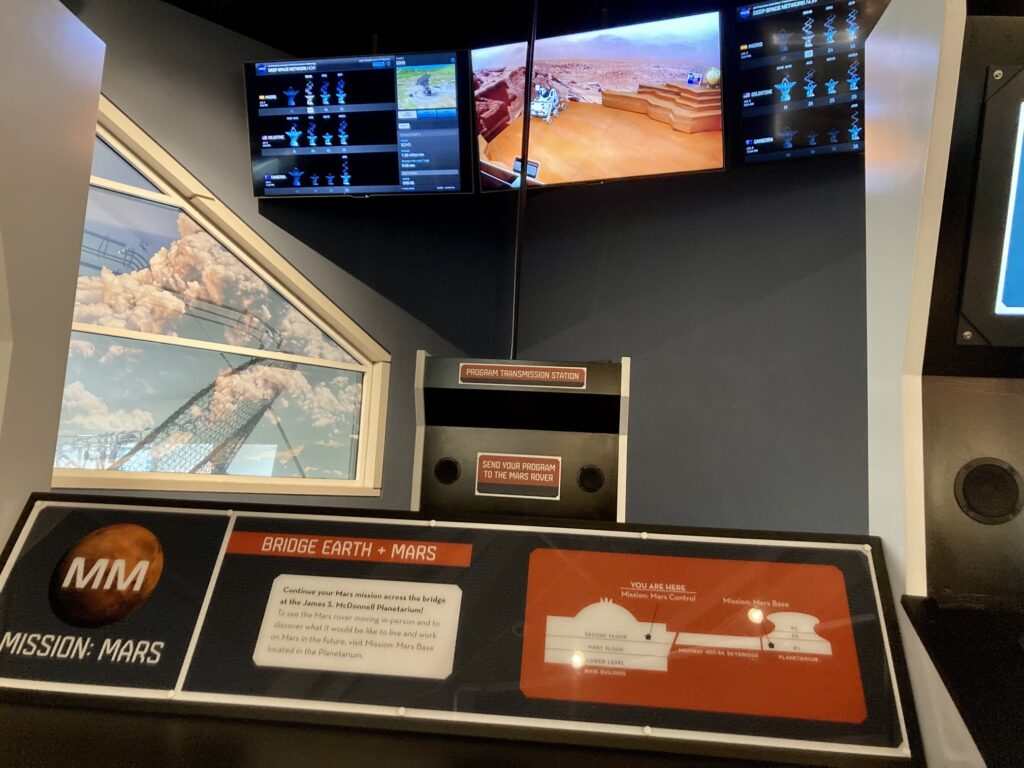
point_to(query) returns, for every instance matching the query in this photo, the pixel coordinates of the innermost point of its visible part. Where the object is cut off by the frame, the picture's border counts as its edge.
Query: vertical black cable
(524, 175)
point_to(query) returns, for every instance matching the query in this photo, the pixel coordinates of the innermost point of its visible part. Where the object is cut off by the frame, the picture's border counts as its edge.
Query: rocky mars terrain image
(632, 101)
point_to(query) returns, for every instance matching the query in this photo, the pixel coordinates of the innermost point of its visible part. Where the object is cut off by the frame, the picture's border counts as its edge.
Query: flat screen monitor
(360, 125)
(800, 66)
(637, 100)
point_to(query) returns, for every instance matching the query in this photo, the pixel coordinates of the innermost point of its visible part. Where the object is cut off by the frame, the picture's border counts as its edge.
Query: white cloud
(193, 268)
(129, 301)
(83, 409)
(301, 337)
(255, 384)
(286, 455)
(259, 453)
(325, 404)
(334, 473)
(81, 347)
(115, 351)
(193, 271)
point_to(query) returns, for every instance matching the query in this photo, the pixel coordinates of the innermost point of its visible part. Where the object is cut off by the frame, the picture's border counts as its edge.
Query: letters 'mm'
(79, 578)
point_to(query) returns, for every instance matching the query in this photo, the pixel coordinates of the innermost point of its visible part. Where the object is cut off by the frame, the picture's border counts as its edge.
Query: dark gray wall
(445, 259)
(180, 79)
(740, 298)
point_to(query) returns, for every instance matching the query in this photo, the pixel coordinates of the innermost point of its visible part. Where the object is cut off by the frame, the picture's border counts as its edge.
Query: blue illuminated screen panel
(359, 125)
(801, 78)
(1010, 296)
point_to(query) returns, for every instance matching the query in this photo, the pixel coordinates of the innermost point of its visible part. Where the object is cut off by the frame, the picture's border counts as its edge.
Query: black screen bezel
(466, 120)
(1000, 120)
(737, 150)
(724, 30)
(990, 39)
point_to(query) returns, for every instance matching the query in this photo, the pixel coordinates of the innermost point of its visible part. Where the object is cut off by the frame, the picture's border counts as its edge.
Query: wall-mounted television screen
(801, 78)
(361, 125)
(635, 100)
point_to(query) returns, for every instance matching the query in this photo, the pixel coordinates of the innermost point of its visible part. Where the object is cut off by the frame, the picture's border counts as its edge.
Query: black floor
(978, 654)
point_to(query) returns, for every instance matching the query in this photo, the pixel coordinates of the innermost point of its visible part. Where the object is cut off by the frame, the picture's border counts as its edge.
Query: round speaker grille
(447, 470)
(989, 490)
(590, 478)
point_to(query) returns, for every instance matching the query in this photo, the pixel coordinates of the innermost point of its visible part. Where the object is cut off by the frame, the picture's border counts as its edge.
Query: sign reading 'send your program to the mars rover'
(603, 635)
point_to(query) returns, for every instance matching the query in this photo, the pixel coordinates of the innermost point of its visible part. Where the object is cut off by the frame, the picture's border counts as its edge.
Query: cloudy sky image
(148, 267)
(688, 40)
(308, 416)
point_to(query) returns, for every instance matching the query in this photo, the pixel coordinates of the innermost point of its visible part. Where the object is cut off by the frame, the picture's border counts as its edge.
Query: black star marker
(648, 635)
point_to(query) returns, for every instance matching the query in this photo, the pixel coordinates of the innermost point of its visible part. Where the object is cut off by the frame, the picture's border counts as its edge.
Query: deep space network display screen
(1010, 297)
(359, 125)
(637, 100)
(801, 71)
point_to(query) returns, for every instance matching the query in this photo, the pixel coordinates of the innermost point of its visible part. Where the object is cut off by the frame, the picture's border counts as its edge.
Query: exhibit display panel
(360, 125)
(753, 645)
(801, 77)
(637, 100)
(522, 437)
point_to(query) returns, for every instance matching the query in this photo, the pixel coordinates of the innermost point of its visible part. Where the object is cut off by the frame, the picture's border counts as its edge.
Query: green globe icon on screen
(713, 77)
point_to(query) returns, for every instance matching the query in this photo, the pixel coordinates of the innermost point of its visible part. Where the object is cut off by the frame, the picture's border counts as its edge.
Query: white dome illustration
(605, 634)
(604, 612)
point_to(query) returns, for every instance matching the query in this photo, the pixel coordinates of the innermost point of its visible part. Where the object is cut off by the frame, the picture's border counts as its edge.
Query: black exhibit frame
(486, 659)
(557, 22)
(994, 203)
(384, 166)
(581, 429)
(966, 336)
(803, 114)
(560, 21)
(553, 23)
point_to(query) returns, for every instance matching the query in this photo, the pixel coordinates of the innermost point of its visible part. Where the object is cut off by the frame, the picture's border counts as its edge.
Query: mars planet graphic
(107, 575)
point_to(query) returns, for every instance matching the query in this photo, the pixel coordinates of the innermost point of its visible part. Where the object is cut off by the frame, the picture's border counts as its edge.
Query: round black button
(447, 471)
(590, 478)
(989, 490)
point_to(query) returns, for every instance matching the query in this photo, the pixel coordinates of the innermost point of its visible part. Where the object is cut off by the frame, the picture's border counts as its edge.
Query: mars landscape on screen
(637, 100)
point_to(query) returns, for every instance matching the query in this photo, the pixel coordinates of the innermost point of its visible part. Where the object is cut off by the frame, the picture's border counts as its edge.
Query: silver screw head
(967, 335)
(998, 74)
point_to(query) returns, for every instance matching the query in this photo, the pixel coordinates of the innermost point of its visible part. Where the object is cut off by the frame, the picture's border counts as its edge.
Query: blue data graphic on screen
(801, 65)
(1010, 298)
(356, 125)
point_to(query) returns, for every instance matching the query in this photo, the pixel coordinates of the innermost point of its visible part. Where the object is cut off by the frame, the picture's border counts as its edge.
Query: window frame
(178, 188)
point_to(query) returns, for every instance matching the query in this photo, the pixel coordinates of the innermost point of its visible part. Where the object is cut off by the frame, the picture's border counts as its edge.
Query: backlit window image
(185, 360)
